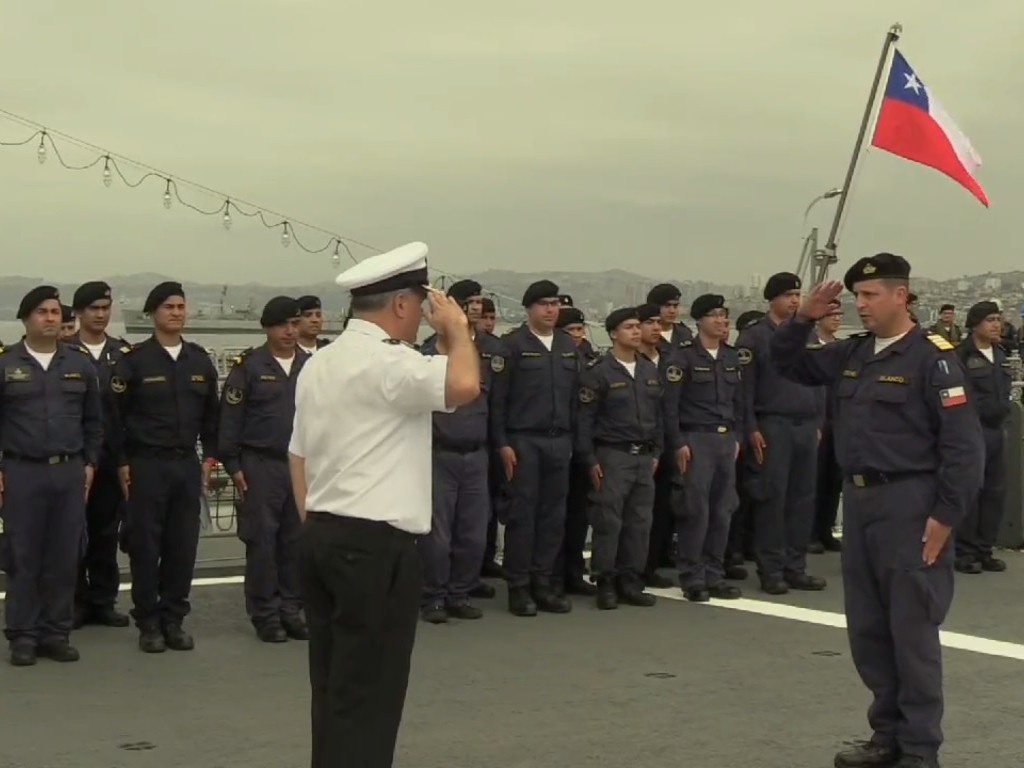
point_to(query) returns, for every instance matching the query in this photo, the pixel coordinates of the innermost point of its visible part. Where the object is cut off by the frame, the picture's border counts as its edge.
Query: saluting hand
(935, 536)
(821, 301)
(446, 315)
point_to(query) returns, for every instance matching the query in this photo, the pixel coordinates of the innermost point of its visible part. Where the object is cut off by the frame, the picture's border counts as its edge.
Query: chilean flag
(913, 125)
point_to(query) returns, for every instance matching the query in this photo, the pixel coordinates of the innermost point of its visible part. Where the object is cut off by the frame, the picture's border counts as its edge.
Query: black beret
(565, 300)
(877, 267)
(67, 314)
(618, 316)
(569, 316)
(162, 293)
(946, 307)
(780, 283)
(542, 289)
(34, 298)
(279, 310)
(663, 293)
(706, 304)
(463, 290)
(308, 303)
(87, 293)
(488, 305)
(980, 311)
(748, 318)
(648, 312)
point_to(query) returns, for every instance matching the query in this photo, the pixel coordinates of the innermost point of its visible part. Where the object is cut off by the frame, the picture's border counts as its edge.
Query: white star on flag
(913, 83)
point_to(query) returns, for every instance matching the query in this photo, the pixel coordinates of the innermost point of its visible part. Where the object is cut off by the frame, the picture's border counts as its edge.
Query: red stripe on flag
(911, 133)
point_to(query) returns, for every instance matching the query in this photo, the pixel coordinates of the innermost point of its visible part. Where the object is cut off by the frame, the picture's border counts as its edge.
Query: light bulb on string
(336, 258)
(108, 177)
(226, 220)
(41, 152)
(167, 196)
(286, 237)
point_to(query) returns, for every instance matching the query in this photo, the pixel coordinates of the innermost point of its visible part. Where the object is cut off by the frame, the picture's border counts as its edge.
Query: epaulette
(940, 342)
(687, 343)
(592, 363)
(125, 349)
(399, 341)
(859, 335)
(81, 348)
(237, 359)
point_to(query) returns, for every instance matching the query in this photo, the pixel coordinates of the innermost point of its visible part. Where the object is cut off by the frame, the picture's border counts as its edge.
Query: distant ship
(220, 320)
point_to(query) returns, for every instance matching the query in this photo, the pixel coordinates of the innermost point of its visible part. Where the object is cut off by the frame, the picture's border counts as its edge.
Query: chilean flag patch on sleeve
(953, 396)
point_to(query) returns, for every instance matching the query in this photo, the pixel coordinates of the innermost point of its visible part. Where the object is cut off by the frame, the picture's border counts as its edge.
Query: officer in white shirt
(360, 459)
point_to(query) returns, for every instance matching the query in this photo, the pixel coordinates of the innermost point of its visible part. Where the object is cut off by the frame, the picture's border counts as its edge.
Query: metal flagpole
(826, 257)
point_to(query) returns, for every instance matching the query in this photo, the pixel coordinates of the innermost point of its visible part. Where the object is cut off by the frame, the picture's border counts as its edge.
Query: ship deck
(763, 681)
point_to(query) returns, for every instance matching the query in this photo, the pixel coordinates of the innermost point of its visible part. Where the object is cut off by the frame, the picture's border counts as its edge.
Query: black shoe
(520, 603)
(736, 573)
(655, 580)
(295, 628)
(867, 755)
(607, 599)
(549, 601)
(108, 616)
(434, 614)
(804, 582)
(775, 587)
(178, 639)
(57, 649)
(466, 611)
(815, 548)
(272, 633)
(23, 653)
(832, 544)
(483, 591)
(967, 565)
(631, 592)
(577, 585)
(723, 591)
(81, 617)
(697, 594)
(490, 570)
(151, 641)
(992, 564)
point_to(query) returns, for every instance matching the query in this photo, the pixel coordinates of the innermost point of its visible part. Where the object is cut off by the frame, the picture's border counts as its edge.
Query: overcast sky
(674, 138)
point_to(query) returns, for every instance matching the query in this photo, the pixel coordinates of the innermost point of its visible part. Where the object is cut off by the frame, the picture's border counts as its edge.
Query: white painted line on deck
(956, 640)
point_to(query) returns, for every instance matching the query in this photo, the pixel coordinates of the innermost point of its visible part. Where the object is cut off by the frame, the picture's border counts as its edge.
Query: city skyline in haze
(683, 141)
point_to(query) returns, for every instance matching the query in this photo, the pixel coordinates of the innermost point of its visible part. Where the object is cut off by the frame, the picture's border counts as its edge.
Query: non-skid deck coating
(676, 685)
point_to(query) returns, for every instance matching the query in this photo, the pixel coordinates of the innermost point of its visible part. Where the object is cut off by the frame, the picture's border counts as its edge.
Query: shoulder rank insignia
(940, 342)
(81, 348)
(232, 395)
(674, 374)
(125, 349)
(745, 355)
(687, 343)
(859, 335)
(240, 357)
(587, 395)
(497, 363)
(592, 362)
(815, 345)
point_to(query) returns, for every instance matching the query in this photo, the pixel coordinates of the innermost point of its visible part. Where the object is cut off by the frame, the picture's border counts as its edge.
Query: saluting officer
(453, 551)
(673, 333)
(659, 554)
(619, 438)
(783, 420)
(703, 408)
(99, 574)
(50, 437)
(163, 399)
(310, 324)
(533, 415)
(569, 576)
(257, 409)
(988, 387)
(913, 455)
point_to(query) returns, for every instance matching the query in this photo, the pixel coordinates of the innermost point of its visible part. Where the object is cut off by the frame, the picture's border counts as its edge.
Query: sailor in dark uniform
(163, 400)
(100, 575)
(488, 316)
(911, 448)
(50, 437)
(311, 324)
(490, 568)
(67, 323)
(988, 388)
(673, 333)
(256, 414)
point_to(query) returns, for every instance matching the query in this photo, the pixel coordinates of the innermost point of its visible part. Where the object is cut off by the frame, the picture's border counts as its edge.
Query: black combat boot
(271, 633)
(108, 616)
(577, 584)
(631, 591)
(607, 599)
(151, 640)
(178, 639)
(57, 649)
(548, 600)
(23, 652)
(520, 603)
(869, 754)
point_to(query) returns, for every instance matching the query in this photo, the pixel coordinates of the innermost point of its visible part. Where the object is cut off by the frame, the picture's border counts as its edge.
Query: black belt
(466, 448)
(539, 432)
(871, 477)
(633, 449)
(361, 525)
(266, 453)
(717, 429)
(60, 458)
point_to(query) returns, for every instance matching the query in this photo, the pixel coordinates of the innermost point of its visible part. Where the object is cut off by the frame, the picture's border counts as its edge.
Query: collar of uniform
(367, 328)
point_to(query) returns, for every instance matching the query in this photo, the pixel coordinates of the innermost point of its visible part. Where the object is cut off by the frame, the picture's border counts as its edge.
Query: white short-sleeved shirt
(363, 424)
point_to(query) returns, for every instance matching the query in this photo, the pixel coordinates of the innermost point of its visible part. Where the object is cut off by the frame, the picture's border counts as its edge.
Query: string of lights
(113, 168)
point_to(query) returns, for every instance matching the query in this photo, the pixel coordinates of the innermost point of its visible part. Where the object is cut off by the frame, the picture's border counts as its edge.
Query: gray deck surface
(676, 685)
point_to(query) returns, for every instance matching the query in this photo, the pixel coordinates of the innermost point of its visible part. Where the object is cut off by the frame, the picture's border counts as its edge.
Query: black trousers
(663, 521)
(99, 574)
(361, 588)
(570, 563)
(830, 487)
